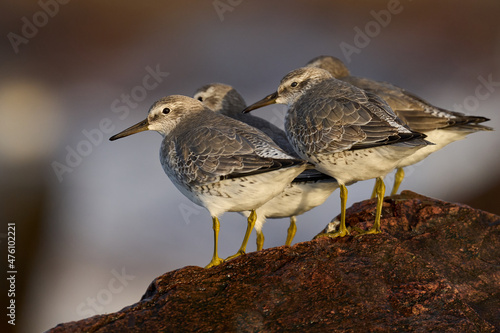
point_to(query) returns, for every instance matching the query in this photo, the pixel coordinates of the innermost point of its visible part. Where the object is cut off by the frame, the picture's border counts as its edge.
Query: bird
(345, 132)
(308, 190)
(217, 162)
(441, 126)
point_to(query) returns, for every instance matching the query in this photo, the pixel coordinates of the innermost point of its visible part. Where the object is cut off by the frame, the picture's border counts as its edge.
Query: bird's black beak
(139, 127)
(269, 99)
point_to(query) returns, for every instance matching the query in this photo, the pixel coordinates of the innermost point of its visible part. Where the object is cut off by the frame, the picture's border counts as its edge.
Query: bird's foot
(340, 233)
(236, 255)
(371, 231)
(215, 262)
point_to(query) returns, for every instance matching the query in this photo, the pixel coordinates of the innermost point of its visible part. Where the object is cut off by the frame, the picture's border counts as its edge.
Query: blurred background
(97, 221)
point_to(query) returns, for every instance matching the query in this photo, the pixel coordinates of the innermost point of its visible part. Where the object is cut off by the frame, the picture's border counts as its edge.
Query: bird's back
(414, 111)
(211, 147)
(334, 116)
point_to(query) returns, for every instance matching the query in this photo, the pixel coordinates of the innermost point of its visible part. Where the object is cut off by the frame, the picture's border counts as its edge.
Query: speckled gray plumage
(225, 100)
(208, 147)
(335, 116)
(414, 111)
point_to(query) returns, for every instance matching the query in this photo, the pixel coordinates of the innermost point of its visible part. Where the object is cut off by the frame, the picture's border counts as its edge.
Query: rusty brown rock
(436, 267)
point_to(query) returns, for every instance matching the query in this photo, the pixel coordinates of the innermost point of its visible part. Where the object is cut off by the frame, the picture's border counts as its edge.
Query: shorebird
(345, 132)
(217, 162)
(441, 126)
(308, 190)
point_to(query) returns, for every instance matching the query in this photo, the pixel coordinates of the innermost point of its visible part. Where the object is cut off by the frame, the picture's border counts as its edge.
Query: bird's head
(333, 65)
(164, 115)
(292, 86)
(220, 98)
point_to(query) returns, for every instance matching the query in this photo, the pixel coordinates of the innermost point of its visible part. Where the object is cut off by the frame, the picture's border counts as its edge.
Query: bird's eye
(200, 99)
(294, 84)
(165, 111)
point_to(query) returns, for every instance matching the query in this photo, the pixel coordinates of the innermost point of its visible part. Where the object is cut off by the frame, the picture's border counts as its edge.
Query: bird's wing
(208, 154)
(335, 116)
(414, 111)
(274, 132)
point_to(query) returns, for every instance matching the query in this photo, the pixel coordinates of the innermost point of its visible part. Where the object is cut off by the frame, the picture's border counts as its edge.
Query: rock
(436, 267)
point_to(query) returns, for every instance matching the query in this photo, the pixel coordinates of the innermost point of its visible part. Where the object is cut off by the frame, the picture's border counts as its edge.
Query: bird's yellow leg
(342, 228)
(374, 192)
(380, 186)
(251, 222)
(398, 179)
(260, 240)
(215, 258)
(292, 229)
